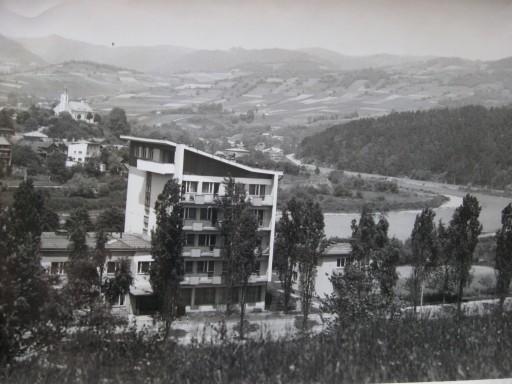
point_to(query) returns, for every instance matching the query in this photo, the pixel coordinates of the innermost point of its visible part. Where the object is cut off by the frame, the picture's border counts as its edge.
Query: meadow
(386, 351)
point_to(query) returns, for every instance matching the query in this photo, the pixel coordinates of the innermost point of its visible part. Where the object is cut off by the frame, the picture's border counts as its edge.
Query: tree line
(33, 313)
(462, 145)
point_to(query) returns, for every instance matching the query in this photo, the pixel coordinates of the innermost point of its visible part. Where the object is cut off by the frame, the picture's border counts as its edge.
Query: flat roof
(115, 241)
(338, 249)
(202, 153)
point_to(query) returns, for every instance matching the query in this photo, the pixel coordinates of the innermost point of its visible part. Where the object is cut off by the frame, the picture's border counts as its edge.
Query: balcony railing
(155, 167)
(202, 252)
(200, 225)
(199, 198)
(201, 278)
(258, 201)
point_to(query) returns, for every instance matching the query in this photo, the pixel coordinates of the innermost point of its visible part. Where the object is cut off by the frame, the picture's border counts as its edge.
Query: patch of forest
(466, 145)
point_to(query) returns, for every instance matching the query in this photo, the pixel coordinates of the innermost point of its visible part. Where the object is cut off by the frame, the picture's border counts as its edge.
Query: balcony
(198, 198)
(201, 278)
(153, 166)
(199, 225)
(258, 279)
(203, 252)
(259, 201)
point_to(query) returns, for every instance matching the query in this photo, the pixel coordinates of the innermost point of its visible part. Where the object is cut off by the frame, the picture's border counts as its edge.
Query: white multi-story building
(202, 176)
(80, 151)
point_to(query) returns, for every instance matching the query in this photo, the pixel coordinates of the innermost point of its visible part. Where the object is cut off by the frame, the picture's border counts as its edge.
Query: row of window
(200, 267)
(213, 188)
(203, 240)
(211, 214)
(206, 296)
(144, 152)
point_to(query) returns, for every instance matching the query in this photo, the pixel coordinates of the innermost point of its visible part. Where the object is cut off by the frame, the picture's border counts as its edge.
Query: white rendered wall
(134, 220)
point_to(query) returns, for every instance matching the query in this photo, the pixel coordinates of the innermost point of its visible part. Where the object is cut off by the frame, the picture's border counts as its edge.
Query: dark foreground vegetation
(461, 145)
(405, 350)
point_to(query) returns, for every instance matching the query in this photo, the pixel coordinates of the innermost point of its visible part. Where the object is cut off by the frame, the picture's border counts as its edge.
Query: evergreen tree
(504, 255)
(245, 250)
(366, 288)
(463, 233)
(26, 311)
(167, 269)
(310, 235)
(286, 248)
(231, 204)
(424, 252)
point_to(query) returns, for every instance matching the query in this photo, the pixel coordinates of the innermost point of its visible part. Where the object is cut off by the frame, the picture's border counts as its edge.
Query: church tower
(64, 98)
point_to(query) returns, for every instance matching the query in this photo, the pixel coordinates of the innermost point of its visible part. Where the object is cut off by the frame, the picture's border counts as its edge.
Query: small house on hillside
(82, 150)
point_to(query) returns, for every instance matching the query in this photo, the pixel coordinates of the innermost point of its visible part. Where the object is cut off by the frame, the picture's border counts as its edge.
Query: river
(401, 223)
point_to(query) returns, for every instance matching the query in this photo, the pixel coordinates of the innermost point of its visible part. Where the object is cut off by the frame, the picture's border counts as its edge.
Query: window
(256, 190)
(206, 240)
(206, 213)
(257, 269)
(205, 296)
(189, 213)
(137, 151)
(189, 266)
(253, 294)
(259, 216)
(206, 267)
(144, 152)
(211, 188)
(112, 267)
(149, 179)
(59, 268)
(190, 239)
(151, 154)
(189, 186)
(223, 295)
(143, 267)
(340, 262)
(119, 300)
(185, 297)
(147, 196)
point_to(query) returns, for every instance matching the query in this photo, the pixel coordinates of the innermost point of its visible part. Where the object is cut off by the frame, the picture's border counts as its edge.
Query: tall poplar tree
(245, 249)
(463, 235)
(231, 204)
(424, 252)
(504, 255)
(167, 269)
(310, 247)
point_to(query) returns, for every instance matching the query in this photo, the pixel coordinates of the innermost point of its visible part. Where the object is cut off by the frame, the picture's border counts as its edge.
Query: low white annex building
(79, 110)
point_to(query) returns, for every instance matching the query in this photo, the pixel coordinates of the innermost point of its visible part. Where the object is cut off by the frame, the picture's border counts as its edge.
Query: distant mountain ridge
(15, 57)
(350, 63)
(171, 59)
(56, 49)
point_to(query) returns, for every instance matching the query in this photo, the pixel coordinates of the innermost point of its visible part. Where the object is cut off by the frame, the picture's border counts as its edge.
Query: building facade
(202, 176)
(82, 150)
(5, 156)
(79, 110)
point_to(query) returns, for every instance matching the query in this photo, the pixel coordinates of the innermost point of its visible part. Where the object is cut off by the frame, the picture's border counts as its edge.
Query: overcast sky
(472, 29)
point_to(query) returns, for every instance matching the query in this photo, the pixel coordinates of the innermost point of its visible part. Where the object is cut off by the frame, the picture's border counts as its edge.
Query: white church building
(79, 110)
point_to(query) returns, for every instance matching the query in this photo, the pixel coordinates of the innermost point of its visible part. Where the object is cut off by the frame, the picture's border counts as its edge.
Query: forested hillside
(470, 144)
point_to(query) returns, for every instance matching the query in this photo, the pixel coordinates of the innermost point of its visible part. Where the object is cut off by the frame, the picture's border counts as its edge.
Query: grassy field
(386, 351)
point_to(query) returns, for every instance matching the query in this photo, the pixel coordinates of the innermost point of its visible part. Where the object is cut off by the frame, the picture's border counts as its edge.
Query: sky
(473, 29)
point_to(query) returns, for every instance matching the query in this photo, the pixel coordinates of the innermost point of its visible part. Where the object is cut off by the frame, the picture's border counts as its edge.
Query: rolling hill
(463, 145)
(14, 57)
